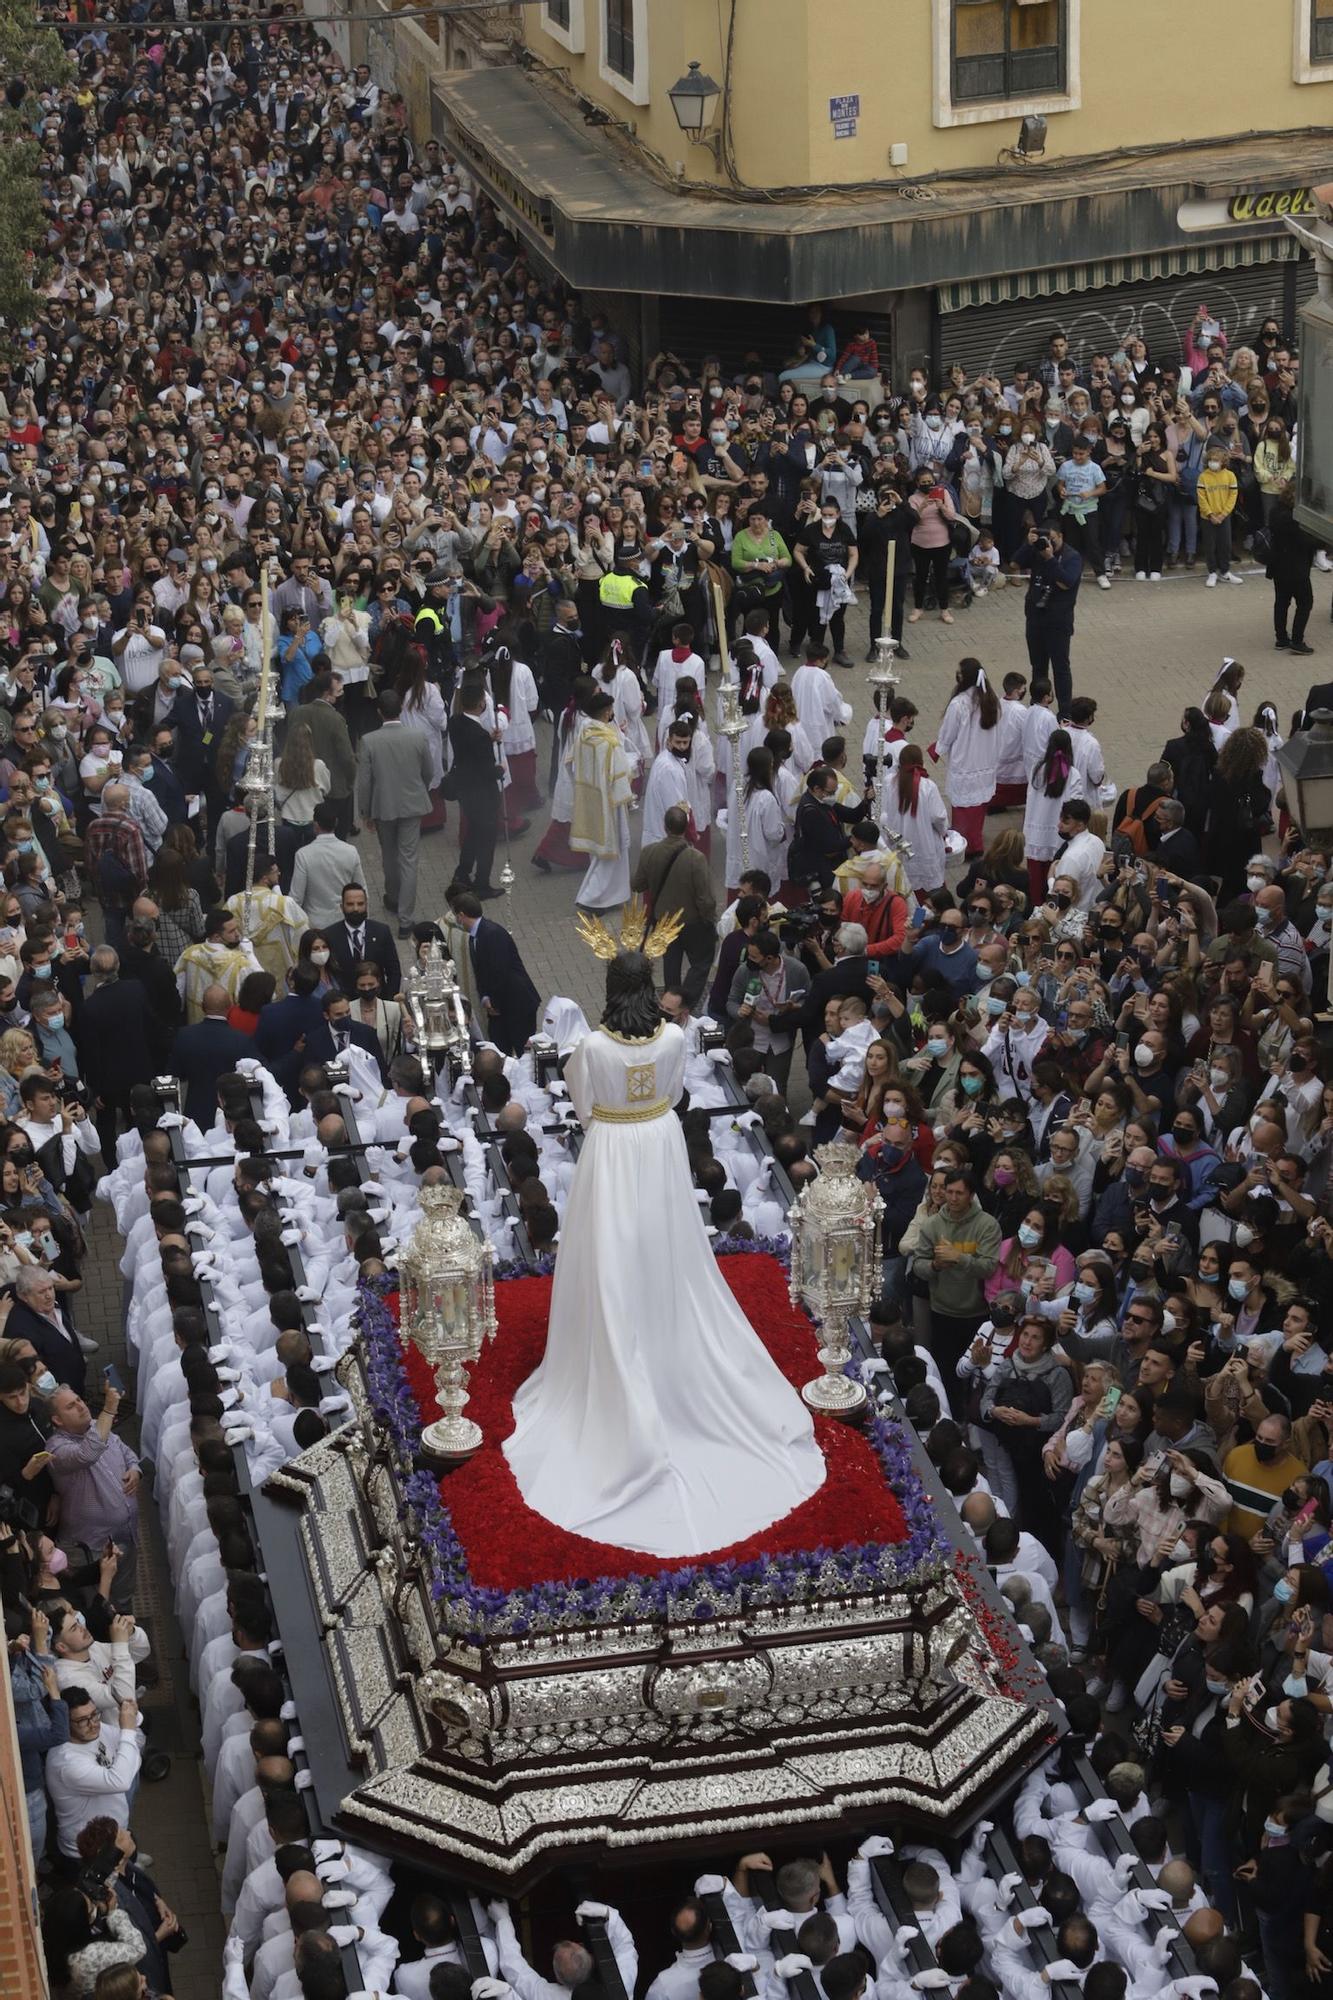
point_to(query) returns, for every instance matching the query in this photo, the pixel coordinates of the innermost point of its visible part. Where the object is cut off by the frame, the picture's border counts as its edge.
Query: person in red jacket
(883, 914)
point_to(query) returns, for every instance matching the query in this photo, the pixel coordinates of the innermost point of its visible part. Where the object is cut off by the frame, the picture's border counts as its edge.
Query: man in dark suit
(477, 789)
(198, 718)
(142, 964)
(35, 1316)
(677, 881)
(355, 938)
(338, 1031)
(848, 973)
(510, 1000)
(1177, 849)
(114, 1045)
(165, 786)
(206, 1051)
(236, 855)
(561, 665)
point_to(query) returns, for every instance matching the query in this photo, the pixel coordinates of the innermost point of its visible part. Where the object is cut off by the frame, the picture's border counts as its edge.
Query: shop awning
(1193, 256)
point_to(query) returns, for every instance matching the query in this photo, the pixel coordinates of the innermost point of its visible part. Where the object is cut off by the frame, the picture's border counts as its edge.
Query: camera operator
(820, 840)
(1055, 571)
(810, 932)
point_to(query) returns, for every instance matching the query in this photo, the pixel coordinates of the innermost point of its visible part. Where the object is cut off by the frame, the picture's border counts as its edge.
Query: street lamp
(1306, 763)
(694, 98)
(448, 1311)
(835, 1268)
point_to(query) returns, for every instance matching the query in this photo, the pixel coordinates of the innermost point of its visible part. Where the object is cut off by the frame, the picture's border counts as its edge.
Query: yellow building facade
(958, 172)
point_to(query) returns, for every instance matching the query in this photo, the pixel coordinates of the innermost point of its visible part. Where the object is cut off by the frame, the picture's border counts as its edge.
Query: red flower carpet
(511, 1548)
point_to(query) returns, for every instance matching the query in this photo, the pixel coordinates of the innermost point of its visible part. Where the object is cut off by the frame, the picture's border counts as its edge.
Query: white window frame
(1303, 69)
(574, 37)
(995, 110)
(635, 88)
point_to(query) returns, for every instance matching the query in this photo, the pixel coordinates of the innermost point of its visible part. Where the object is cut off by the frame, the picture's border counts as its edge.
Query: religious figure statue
(656, 1420)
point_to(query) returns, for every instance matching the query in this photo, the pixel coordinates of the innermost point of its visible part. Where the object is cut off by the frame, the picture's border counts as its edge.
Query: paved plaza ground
(1144, 651)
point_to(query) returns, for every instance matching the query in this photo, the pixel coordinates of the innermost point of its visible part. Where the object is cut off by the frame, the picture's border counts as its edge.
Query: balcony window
(1321, 31)
(618, 47)
(1012, 49)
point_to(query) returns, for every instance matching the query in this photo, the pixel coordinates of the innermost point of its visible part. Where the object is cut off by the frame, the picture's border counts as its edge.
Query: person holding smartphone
(96, 1478)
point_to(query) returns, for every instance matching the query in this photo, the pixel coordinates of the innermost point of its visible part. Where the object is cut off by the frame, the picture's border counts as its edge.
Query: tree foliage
(32, 60)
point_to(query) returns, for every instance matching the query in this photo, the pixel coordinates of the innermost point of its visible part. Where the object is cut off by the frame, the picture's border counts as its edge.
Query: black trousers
(1297, 598)
(477, 852)
(688, 960)
(951, 1334)
(1048, 654)
(1086, 537)
(931, 566)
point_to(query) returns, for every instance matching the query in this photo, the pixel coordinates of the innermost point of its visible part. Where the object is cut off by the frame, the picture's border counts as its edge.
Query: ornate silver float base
(505, 1757)
(452, 1437)
(833, 1394)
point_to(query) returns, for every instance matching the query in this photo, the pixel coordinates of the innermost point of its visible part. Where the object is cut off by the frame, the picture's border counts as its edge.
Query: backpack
(1134, 826)
(116, 886)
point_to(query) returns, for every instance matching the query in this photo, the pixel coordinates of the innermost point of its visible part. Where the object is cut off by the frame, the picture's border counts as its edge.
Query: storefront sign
(1234, 211)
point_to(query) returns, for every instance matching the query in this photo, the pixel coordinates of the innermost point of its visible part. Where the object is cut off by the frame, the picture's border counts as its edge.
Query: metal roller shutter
(993, 339)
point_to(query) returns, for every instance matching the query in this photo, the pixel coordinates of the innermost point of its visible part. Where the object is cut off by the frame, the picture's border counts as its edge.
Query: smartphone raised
(111, 1375)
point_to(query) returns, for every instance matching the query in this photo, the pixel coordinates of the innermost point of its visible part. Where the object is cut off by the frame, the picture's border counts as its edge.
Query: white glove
(290, 1237)
(1124, 1869)
(1100, 1809)
(874, 1846)
(1153, 1899)
(199, 1229)
(1194, 1987)
(287, 1713)
(1062, 1968)
(902, 1938)
(931, 1980)
(980, 1830)
(344, 1934)
(323, 1364)
(338, 1899)
(777, 1920)
(1033, 1919)
(489, 1989)
(794, 1962)
(234, 1949)
(328, 1871)
(498, 1912)
(602, 1910)
(305, 1779)
(742, 1961)
(1164, 1943)
(710, 1885)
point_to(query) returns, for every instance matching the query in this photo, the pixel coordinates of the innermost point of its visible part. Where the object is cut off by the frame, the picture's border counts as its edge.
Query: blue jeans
(1182, 517)
(1210, 1851)
(1280, 1942)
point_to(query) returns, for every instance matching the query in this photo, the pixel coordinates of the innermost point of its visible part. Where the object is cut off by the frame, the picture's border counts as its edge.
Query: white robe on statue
(657, 1420)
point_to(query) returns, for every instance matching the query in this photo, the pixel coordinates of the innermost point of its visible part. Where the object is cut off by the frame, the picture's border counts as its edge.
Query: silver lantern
(448, 1311)
(435, 1003)
(835, 1268)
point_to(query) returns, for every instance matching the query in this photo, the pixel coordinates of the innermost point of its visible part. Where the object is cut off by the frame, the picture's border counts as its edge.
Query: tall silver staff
(257, 783)
(731, 722)
(883, 680)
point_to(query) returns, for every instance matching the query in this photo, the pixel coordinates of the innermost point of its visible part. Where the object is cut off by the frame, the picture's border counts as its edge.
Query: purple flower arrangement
(710, 1590)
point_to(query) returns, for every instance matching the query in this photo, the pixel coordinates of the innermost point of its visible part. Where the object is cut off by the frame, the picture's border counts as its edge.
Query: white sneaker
(1234, 576)
(1140, 576)
(1156, 576)
(1103, 583)
(1212, 579)
(1321, 559)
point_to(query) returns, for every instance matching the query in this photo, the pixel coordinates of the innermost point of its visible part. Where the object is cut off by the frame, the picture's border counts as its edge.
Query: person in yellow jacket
(1218, 492)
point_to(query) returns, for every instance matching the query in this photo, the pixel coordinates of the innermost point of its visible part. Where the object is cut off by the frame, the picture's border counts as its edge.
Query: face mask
(38, 971)
(1265, 1453)
(935, 423)
(1283, 1591)
(1028, 1236)
(994, 1004)
(1238, 1289)
(1180, 1486)
(1271, 1721)
(46, 1384)
(319, 958)
(1004, 1177)
(1168, 1322)
(1143, 1055)
(1219, 1078)
(1085, 1293)
(1216, 1687)
(57, 1561)
(937, 1047)
(1029, 437)
(1134, 1177)
(1183, 1136)
(973, 1085)
(1275, 1829)
(1244, 1236)
(1254, 883)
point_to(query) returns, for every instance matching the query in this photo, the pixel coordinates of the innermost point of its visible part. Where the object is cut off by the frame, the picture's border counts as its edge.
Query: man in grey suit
(393, 796)
(325, 866)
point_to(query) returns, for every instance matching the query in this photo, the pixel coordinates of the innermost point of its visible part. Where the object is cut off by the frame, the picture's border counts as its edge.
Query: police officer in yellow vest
(626, 605)
(431, 628)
